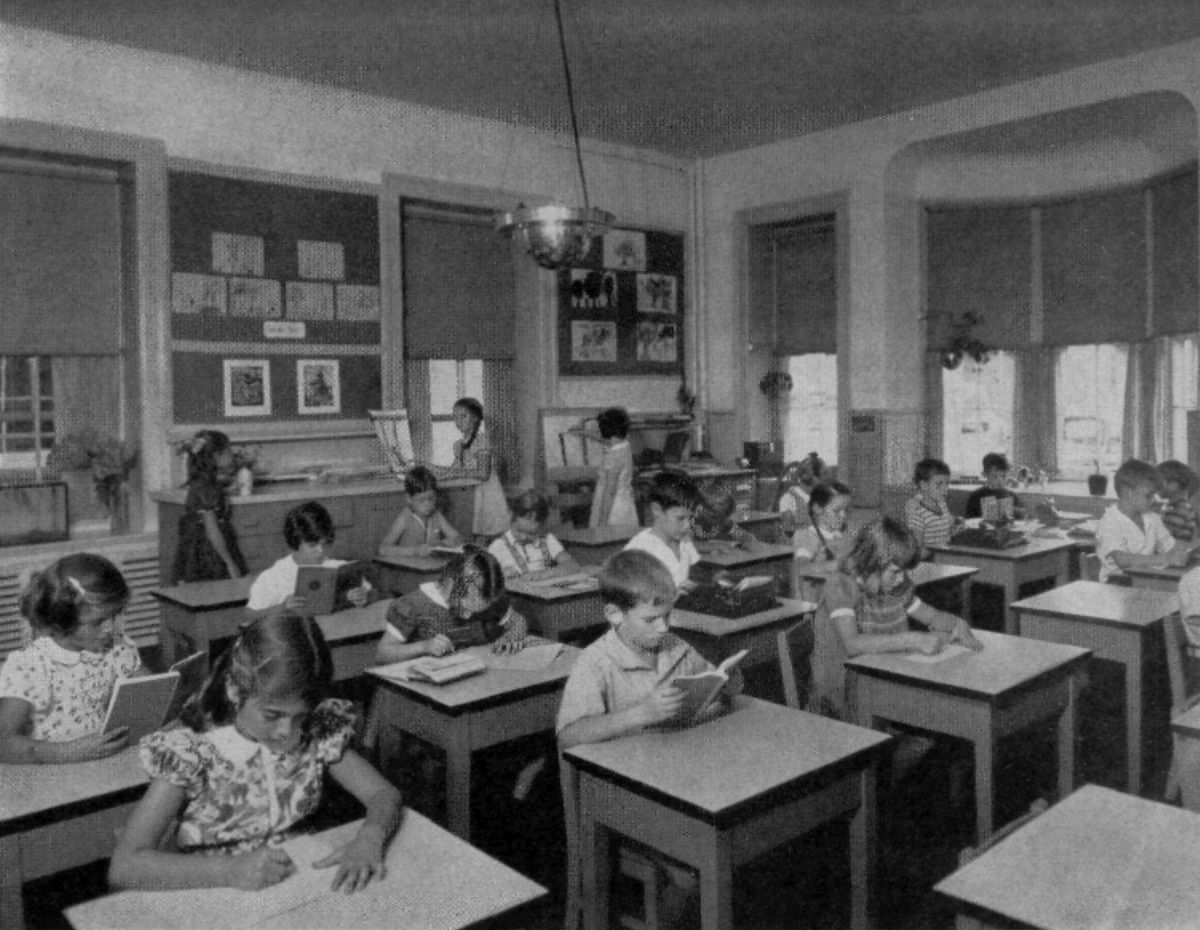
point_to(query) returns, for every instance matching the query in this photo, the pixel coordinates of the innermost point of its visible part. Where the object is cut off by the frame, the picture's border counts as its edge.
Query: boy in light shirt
(1131, 534)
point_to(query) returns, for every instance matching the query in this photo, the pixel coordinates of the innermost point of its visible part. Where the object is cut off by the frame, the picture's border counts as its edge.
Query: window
(26, 411)
(1090, 415)
(977, 411)
(450, 379)
(1183, 353)
(810, 412)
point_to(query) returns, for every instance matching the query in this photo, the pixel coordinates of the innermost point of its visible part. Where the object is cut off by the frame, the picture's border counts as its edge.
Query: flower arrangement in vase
(108, 459)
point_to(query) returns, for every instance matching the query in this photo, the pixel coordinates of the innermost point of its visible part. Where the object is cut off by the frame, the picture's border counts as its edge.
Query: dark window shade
(1094, 279)
(979, 262)
(60, 270)
(806, 289)
(1176, 262)
(459, 288)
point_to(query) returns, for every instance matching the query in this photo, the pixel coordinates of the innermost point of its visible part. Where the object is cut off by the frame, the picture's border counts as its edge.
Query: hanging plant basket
(963, 343)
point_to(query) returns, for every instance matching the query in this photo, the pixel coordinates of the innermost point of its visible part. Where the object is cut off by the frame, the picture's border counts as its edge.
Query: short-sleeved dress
(491, 507)
(68, 691)
(424, 613)
(195, 557)
(875, 615)
(616, 471)
(239, 793)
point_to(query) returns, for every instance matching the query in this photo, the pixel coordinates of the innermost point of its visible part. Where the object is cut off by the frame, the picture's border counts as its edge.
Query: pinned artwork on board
(197, 293)
(321, 260)
(256, 297)
(625, 250)
(657, 342)
(308, 300)
(233, 254)
(593, 341)
(247, 387)
(656, 293)
(318, 386)
(593, 290)
(357, 302)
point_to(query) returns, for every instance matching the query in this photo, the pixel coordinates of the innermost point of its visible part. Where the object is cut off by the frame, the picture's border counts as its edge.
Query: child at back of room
(420, 526)
(1130, 533)
(613, 503)
(1178, 486)
(926, 513)
(820, 546)
(867, 607)
(476, 458)
(466, 606)
(672, 502)
(622, 683)
(995, 476)
(795, 485)
(207, 548)
(54, 692)
(714, 520)
(308, 531)
(526, 547)
(246, 766)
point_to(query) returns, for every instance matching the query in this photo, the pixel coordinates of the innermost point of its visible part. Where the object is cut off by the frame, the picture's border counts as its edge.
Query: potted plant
(1097, 481)
(775, 384)
(686, 399)
(108, 460)
(246, 465)
(963, 343)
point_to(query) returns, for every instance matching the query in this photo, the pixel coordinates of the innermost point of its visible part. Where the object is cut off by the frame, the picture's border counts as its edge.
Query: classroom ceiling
(686, 77)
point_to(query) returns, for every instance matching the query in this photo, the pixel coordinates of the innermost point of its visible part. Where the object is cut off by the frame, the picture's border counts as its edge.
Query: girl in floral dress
(54, 692)
(246, 766)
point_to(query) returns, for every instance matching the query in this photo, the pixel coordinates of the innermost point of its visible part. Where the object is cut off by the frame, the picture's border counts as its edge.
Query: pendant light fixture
(557, 236)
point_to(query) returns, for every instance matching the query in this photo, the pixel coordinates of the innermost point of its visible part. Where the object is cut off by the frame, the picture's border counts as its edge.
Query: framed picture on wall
(318, 386)
(247, 387)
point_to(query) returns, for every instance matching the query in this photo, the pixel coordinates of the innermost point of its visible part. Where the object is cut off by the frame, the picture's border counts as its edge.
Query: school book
(701, 690)
(438, 670)
(141, 703)
(192, 671)
(325, 588)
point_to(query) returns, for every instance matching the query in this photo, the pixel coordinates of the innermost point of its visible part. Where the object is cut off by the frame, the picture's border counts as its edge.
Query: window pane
(1185, 361)
(1090, 401)
(810, 411)
(27, 421)
(443, 386)
(977, 408)
(444, 435)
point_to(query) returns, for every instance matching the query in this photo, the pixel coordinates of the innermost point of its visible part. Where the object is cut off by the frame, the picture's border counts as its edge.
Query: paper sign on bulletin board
(620, 311)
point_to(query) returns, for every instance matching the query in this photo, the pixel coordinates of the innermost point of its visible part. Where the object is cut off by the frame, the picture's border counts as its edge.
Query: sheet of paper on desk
(529, 659)
(948, 652)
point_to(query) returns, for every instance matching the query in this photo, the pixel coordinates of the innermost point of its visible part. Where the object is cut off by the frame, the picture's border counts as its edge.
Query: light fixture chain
(562, 45)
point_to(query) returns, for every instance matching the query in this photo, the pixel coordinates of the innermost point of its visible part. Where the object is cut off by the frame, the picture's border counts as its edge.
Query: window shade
(806, 288)
(1176, 255)
(979, 262)
(459, 289)
(60, 268)
(1094, 281)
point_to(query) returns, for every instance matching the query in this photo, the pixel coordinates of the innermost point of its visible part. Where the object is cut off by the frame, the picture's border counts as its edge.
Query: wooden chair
(1185, 691)
(969, 921)
(630, 863)
(1089, 567)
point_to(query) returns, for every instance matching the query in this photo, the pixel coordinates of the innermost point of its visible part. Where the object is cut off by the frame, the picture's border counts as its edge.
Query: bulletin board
(283, 282)
(621, 311)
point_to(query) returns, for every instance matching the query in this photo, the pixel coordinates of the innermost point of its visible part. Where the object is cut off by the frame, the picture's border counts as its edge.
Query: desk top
(710, 625)
(595, 535)
(207, 595)
(1099, 858)
(491, 688)
(414, 563)
(738, 762)
(27, 791)
(1108, 604)
(434, 881)
(1187, 724)
(728, 555)
(1037, 546)
(757, 516)
(354, 622)
(552, 594)
(924, 573)
(1005, 664)
(1158, 572)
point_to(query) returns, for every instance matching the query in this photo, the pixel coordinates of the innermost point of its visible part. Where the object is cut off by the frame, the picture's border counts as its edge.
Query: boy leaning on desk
(623, 682)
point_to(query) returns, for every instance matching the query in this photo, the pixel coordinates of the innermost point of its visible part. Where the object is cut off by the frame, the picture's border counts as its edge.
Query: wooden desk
(723, 792)
(1011, 568)
(1185, 730)
(927, 577)
(1157, 578)
(55, 817)
(759, 559)
(1099, 858)
(201, 615)
(592, 545)
(434, 881)
(979, 696)
(1116, 623)
(763, 633)
(554, 611)
(403, 574)
(766, 525)
(468, 715)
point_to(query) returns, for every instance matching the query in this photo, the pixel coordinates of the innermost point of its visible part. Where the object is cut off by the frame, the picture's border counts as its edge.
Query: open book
(145, 703)
(325, 587)
(437, 670)
(701, 690)
(749, 583)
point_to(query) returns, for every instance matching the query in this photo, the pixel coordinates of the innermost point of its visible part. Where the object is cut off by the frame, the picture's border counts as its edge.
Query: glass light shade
(556, 236)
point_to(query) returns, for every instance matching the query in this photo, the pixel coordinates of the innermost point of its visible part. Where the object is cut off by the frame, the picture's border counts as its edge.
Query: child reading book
(673, 500)
(421, 526)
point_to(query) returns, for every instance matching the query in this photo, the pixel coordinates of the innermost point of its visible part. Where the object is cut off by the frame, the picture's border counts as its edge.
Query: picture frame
(197, 293)
(247, 387)
(318, 386)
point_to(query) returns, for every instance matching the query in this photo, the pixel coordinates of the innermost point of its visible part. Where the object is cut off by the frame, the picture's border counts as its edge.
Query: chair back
(1089, 567)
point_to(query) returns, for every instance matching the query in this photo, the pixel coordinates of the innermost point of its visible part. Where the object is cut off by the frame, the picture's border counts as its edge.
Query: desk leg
(716, 882)
(1133, 716)
(1066, 740)
(1187, 768)
(458, 782)
(12, 914)
(985, 760)
(1011, 596)
(787, 671)
(862, 846)
(594, 866)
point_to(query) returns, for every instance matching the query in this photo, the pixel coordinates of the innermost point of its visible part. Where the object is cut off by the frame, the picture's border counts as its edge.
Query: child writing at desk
(673, 500)
(54, 692)
(1178, 486)
(867, 607)
(714, 520)
(421, 526)
(926, 513)
(1130, 533)
(526, 547)
(821, 545)
(246, 766)
(622, 683)
(795, 486)
(308, 531)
